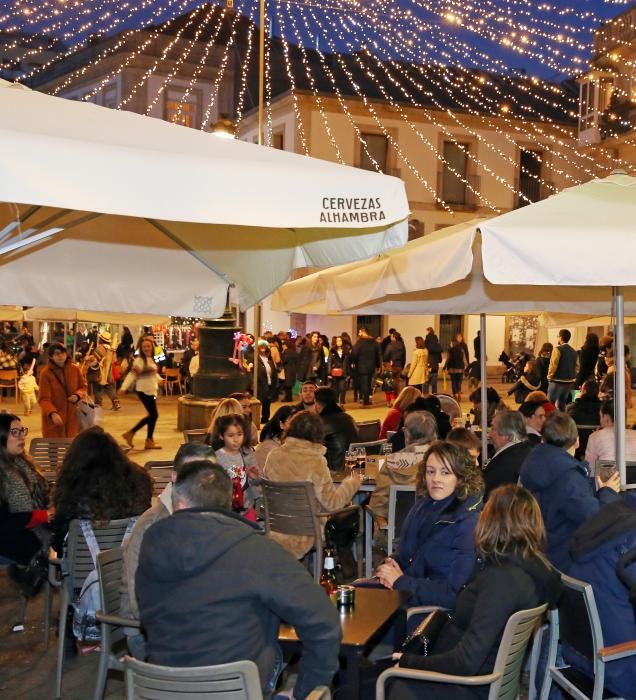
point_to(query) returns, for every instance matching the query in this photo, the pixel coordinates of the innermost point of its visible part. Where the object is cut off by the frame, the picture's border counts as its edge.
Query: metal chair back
(160, 473)
(401, 500)
(373, 447)
(512, 649)
(368, 430)
(233, 681)
(48, 454)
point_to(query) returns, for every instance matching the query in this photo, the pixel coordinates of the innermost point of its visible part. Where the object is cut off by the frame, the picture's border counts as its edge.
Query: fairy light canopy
(507, 66)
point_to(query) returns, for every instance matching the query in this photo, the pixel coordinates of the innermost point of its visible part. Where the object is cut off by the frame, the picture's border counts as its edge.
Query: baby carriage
(509, 375)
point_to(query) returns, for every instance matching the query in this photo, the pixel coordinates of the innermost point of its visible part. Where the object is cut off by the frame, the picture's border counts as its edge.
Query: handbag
(424, 636)
(337, 372)
(88, 414)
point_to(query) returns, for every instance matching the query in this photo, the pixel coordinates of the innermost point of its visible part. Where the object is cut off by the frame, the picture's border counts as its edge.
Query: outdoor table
(363, 626)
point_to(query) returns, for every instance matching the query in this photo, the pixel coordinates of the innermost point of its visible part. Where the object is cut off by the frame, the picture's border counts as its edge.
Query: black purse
(424, 636)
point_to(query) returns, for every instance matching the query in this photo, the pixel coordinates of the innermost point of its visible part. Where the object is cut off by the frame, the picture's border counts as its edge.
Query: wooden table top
(372, 609)
(373, 465)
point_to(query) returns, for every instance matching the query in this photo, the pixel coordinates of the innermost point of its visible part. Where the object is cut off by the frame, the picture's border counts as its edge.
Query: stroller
(514, 366)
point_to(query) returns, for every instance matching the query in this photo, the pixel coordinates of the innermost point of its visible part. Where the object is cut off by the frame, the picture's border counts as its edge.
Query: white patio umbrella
(583, 236)
(127, 213)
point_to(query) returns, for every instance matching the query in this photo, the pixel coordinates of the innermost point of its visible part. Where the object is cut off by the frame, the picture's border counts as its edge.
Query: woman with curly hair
(436, 556)
(98, 482)
(24, 496)
(513, 575)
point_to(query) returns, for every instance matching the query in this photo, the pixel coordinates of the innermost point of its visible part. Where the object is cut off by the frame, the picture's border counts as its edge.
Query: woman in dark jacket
(543, 364)
(395, 356)
(289, 360)
(311, 362)
(529, 381)
(23, 497)
(456, 363)
(513, 575)
(588, 355)
(267, 379)
(338, 368)
(437, 553)
(98, 482)
(340, 428)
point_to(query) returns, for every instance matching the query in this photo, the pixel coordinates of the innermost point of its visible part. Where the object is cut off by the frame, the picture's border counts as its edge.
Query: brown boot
(151, 445)
(128, 438)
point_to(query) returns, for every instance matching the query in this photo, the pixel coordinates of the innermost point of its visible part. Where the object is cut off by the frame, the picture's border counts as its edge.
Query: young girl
(230, 441)
(146, 380)
(28, 386)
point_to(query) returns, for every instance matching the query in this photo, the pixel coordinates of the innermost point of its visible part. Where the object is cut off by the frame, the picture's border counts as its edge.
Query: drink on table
(350, 459)
(361, 458)
(328, 577)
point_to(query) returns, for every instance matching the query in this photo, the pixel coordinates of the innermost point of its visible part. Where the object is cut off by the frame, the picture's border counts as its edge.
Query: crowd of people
(483, 540)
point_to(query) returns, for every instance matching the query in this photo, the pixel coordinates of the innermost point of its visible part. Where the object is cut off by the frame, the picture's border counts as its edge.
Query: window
(454, 172)
(179, 109)
(377, 146)
(449, 327)
(373, 324)
(109, 96)
(594, 97)
(530, 163)
(278, 141)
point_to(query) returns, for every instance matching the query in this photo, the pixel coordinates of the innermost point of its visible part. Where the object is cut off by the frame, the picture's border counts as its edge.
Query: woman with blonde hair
(394, 417)
(418, 369)
(230, 407)
(513, 575)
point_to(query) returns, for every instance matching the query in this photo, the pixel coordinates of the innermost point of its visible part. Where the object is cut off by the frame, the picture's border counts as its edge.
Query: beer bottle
(328, 578)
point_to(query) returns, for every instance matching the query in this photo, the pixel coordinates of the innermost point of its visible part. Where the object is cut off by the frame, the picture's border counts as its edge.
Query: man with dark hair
(307, 396)
(534, 416)
(434, 347)
(367, 358)
(564, 366)
(213, 589)
(187, 453)
(562, 486)
(340, 428)
(508, 435)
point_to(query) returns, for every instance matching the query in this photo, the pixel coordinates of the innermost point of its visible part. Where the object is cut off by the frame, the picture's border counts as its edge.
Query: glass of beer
(361, 458)
(350, 460)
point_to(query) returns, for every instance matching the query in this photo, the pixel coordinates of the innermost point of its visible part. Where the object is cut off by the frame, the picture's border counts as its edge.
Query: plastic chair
(373, 447)
(505, 678)
(368, 430)
(9, 380)
(401, 500)
(68, 574)
(291, 508)
(173, 378)
(197, 435)
(575, 622)
(234, 681)
(160, 473)
(109, 569)
(48, 454)
(450, 406)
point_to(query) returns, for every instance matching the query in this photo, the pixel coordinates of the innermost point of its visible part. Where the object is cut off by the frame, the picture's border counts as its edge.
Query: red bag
(337, 372)
(237, 495)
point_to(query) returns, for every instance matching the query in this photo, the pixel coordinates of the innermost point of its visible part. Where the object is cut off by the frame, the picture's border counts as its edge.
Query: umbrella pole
(484, 387)
(619, 383)
(257, 333)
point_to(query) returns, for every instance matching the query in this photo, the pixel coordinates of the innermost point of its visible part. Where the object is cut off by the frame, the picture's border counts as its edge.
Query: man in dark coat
(340, 428)
(367, 359)
(434, 347)
(508, 434)
(563, 488)
(563, 369)
(213, 589)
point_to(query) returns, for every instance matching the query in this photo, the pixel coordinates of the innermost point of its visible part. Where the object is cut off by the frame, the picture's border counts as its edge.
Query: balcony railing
(534, 190)
(458, 193)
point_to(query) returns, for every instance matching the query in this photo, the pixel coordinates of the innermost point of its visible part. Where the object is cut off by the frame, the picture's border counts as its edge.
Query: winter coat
(542, 365)
(289, 361)
(392, 421)
(366, 356)
(56, 385)
(267, 391)
(505, 466)
(213, 589)
(17, 541)
(395, 353)
(337, 361)
(457, 358)
(418, 368)
(340, 431)
(468, 645)
(585, 410)
(596, 548)
(310, 362)
(434, 347)
(437, 551)
(566, 495)
(587, 364)
(525, 384)
(301, 460)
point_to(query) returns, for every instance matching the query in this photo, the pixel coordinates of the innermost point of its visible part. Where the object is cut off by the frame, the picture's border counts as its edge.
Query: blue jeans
(559, 393)
(432, 382)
